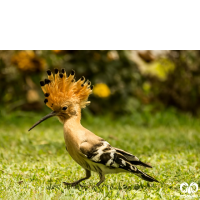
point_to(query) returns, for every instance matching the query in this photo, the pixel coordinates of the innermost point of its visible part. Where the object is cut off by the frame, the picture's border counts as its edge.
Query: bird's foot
(71, 184)
(85, 186)
(75, 184)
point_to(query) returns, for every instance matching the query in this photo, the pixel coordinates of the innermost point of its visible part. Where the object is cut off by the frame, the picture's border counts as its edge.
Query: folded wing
(112, 157)
(132, 159)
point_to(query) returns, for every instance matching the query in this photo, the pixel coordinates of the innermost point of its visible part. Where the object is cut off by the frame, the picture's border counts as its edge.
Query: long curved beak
(44, 118)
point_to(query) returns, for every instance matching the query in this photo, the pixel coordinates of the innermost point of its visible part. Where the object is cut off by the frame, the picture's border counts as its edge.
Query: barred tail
(145, 176)
(133, 169)
(128, 166)
(140, 163)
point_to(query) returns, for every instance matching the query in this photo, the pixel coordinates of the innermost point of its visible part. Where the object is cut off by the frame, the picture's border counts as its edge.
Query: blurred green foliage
(124, 81)
(181, 89)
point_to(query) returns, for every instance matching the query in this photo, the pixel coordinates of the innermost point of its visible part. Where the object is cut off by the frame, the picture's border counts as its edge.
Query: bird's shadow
(129, 187)
(100, 188)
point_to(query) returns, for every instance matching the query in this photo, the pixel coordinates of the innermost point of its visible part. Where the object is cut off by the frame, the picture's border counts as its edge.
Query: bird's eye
(64, 108)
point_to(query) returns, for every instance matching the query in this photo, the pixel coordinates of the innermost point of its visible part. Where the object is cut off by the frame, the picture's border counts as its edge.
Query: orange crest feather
(60, 89)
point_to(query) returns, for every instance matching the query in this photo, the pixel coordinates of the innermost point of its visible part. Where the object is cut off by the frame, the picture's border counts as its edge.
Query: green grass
(34, 164)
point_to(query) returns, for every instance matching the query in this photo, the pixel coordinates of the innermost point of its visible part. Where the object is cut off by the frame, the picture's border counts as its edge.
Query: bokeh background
(125, 82)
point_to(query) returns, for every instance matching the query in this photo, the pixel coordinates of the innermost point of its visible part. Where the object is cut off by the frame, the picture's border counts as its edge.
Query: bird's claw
(85, 186)
(71, 184)
(74, 184)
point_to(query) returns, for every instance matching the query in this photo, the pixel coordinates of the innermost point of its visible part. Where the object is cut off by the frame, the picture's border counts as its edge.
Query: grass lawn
(34, 164)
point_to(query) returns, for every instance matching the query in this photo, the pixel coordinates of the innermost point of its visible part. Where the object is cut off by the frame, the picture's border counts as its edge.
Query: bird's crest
(58, 89)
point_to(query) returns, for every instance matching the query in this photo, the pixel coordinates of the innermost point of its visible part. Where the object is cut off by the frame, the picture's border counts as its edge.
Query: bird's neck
(74, 119)
(73, 131)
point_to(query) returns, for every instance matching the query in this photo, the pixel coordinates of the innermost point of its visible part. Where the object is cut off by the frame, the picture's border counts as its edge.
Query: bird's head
(64, 95)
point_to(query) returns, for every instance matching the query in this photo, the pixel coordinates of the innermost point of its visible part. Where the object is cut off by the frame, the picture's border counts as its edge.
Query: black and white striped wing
(132, 159)
(112, 157)
(101, 152)
(105, 154)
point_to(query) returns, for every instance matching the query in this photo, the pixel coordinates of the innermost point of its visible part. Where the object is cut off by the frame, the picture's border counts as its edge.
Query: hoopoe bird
(66, 98)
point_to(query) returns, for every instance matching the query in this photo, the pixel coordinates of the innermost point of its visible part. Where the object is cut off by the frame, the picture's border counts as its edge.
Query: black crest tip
(72, 72)
(49, 72)
(61, 75)
(46, 94)
(45, 101)
(63, 71)
(42, 83)
(82, 78)
(47, 81)
(56, 71)
(91, 87)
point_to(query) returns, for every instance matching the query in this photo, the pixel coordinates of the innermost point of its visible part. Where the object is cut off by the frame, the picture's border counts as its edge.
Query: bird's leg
(88, 174)
(102, 179)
